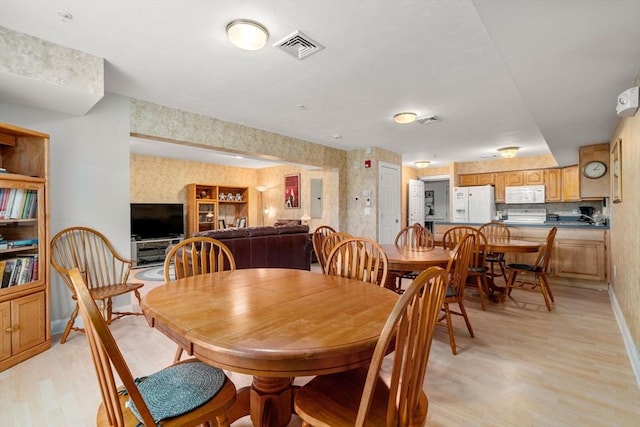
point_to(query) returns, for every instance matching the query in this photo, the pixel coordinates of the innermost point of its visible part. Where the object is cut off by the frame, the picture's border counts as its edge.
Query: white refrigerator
(476, 205)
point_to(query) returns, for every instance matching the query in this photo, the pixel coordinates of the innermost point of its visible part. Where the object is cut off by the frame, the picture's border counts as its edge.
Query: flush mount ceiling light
(508, 152)
(405, 118)
(247, 34)
(422, 164)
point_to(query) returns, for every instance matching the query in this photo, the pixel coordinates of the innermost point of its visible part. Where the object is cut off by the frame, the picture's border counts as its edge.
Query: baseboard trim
(632, 351)
(57, 326)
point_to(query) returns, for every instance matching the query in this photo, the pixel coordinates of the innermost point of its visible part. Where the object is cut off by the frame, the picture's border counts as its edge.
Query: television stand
(149, 252)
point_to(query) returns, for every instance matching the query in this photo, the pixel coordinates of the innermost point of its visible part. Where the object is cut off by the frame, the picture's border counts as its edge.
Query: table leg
(392, 279)
(271, 401)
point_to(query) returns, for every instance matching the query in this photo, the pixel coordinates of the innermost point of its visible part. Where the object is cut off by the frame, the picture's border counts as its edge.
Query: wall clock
(594, 169)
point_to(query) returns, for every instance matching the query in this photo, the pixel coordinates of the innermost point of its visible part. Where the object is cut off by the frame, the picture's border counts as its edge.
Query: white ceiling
(542, 75)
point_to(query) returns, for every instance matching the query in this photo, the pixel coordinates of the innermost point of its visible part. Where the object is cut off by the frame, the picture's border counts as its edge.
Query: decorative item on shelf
(222, 196)
(305, 219)
(292, 191)
(238, 197)
(222, 224)
(243, 222)
(210, 217)
(204, 195)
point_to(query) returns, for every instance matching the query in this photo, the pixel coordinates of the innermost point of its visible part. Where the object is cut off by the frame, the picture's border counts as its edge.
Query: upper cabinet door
(514, 178)
(534, 177)
(571, 184)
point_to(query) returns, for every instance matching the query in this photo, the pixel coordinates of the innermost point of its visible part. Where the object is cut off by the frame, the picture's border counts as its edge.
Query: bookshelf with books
(24, 236)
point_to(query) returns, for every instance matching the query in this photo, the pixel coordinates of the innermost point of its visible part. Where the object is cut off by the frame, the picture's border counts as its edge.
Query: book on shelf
(8, 270)
(2, 266)
(15, 205)
(22, 243)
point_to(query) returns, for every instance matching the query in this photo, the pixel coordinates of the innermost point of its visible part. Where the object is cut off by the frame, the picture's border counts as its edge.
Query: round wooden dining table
(402, 259)
(274, 324)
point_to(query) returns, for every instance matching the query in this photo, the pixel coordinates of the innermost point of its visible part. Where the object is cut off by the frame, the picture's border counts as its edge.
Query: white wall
(89, 177)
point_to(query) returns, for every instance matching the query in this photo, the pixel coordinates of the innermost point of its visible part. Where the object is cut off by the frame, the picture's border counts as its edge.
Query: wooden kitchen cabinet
(467, 180)
(534, 177)
(513, 178)
(571, 184)
(553, 185)
(579, 255)
(499, 190)
(485, 179)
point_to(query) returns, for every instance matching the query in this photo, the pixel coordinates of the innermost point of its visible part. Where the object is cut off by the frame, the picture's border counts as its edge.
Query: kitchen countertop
(559, 224)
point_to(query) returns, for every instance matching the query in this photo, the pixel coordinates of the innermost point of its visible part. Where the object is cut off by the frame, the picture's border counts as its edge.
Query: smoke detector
(299, 45)
(427, 119)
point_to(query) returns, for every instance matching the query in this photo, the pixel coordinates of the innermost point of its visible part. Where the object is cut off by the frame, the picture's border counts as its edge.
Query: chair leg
(178, 355)
(510, 281)
(482, 285)
(452, 339)
(70, 323)
(222, 420)
(463, 311)
(543, 288)
(502, 268)
(546, 282)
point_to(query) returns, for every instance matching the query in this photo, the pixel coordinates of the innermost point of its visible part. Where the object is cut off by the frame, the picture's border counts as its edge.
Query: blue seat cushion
(525, 267)
(178, 389)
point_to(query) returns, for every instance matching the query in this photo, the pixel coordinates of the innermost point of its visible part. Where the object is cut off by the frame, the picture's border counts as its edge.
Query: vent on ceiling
(299, 45)
(427, 119)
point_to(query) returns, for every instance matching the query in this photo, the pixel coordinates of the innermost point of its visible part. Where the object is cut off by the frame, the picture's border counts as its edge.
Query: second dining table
(273, 324)
(402, 259)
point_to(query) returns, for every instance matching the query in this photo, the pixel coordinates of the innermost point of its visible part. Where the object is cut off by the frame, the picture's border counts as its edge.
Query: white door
(389, 206)
(416, 202)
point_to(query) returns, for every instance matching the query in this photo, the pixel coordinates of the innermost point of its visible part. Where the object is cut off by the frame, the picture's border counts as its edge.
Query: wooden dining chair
(358, 258)
(195, 256)
(189, 393)
(457, 271)
(414, 237)
(329, 400)
(330, 242)
(495, 230)
(104, 270)
(477, 275)
(537, 283)
(317, 239)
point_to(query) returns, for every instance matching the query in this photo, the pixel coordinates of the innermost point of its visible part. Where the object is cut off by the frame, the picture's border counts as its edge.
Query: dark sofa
(286, 246)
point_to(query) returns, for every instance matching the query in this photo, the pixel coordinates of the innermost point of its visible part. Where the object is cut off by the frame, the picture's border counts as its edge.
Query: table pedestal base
(271, 401)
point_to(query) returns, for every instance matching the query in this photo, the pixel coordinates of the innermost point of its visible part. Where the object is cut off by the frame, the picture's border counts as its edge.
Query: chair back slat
(330, 242)
(92, 253)
(453, 236)
(544, 253)
(107, 356)
(358, 258)
(415, 236)
(495, 230)
(410, 326)
(458, 266)
(198, 255)
(318, 238)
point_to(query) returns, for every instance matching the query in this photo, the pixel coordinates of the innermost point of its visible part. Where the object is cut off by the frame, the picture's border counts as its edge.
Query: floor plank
(526, 367)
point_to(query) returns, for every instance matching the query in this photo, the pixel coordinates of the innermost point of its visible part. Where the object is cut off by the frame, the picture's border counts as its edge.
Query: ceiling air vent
(299, 45)
(427, 119)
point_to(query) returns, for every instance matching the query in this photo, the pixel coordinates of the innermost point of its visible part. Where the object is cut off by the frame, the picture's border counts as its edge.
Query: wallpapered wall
(625, 228)
(162, 180)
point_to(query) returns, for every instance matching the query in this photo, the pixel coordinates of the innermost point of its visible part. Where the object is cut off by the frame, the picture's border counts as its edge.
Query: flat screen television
(156, 220)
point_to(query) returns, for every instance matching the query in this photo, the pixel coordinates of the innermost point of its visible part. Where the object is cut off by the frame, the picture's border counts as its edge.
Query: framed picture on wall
(292, 191)
(616, 171)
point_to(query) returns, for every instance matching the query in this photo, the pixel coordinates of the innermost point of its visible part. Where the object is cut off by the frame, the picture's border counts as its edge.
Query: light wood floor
(526, 367)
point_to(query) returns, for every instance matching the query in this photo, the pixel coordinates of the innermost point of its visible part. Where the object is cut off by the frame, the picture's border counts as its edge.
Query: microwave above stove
(522, 194)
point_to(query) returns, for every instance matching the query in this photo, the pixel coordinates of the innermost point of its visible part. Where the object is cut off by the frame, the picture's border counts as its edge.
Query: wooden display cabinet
(24, 258)
(208, 206)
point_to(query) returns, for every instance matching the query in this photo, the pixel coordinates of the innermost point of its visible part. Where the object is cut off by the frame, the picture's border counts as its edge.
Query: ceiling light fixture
(422, 164)
(508, 152)
(405, 118)
(247, 34)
